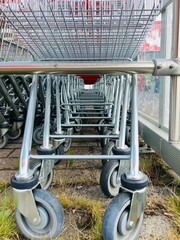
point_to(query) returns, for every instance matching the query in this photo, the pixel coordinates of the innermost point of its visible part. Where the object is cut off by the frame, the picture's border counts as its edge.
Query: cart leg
(124, 215)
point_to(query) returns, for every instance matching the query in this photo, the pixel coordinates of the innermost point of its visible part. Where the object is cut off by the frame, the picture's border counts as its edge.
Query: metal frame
(83, 35)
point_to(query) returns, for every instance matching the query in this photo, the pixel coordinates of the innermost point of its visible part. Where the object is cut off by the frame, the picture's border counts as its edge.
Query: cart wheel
(14, 135)
(128, 136)
(78, 129)
(115, 219)
(46, 181)
(109, 181)
(107, 150)
(67, 144)
(38, 135)
(104, 141)
(59, 151)
(51, 214)
(4, 140)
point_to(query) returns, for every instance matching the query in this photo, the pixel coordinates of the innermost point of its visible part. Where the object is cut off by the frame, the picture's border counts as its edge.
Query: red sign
(89, 78)
(152, 41)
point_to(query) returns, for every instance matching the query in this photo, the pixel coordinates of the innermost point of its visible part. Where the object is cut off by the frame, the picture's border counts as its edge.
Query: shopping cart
(66, 39)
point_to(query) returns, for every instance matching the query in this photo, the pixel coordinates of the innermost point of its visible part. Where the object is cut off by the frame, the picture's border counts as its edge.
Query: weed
(8, 228)
(3, 185)
(69, 163)
(156, 169)
(173, 206)
(70, 152)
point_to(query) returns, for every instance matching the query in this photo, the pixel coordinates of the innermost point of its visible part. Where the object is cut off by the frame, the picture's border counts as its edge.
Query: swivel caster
(46, 180)
(110, 178)
(115, 221)
(51, 217)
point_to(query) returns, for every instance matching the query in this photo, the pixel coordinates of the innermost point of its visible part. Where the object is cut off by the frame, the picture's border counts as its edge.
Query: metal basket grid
(80, 30)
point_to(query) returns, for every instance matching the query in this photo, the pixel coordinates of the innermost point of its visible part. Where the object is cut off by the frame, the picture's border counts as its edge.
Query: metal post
(58, 108)
(28, 132)
(47, 115)
(124, 116)
(134, 159)
(174, 111)
(119, 102)
(115, 100)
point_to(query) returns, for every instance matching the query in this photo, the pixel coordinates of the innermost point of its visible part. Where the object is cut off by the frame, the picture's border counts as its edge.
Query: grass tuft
(156, 169)
(173, 206)
(3, 186)
(16, 165)
(8, 229)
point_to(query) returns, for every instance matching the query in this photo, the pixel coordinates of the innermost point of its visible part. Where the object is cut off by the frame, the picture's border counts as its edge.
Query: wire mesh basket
(84, 30)
(11, 46)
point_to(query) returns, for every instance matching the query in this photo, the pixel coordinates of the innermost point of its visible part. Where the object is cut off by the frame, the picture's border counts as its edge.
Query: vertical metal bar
(134, 158)
(28, 132)
(64, 91)
(47, 114)
(124, 116)
(109, 33)
(174, 111)
(58, 110)
(118, 110)
(115, 100)
(162, 82)
(92, 21)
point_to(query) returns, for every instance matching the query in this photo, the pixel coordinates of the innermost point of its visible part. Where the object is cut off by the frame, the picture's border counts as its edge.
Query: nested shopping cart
(61, 43)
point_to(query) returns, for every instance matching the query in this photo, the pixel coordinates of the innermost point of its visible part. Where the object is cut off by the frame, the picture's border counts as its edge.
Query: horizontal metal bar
(82, 136)
(87, 101)
(80, 157)
(85, 59)
(86, 104)
(90, 117)
(87, 125)
(75, 68)
(88, 112)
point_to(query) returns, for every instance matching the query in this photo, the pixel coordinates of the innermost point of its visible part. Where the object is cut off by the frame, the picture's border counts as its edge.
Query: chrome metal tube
(174, 106)
(81, 157)
(78, 68)
(28, 132)
(118, 109)
(115, 100)
(58, 109)
(124, 116)
(46, 130)
(134, 158)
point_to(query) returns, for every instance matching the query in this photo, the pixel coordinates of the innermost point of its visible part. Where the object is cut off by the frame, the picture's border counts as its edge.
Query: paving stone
(5, 152)
(13, 145)
(5, 176)
(8, 163)
(15, 153)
